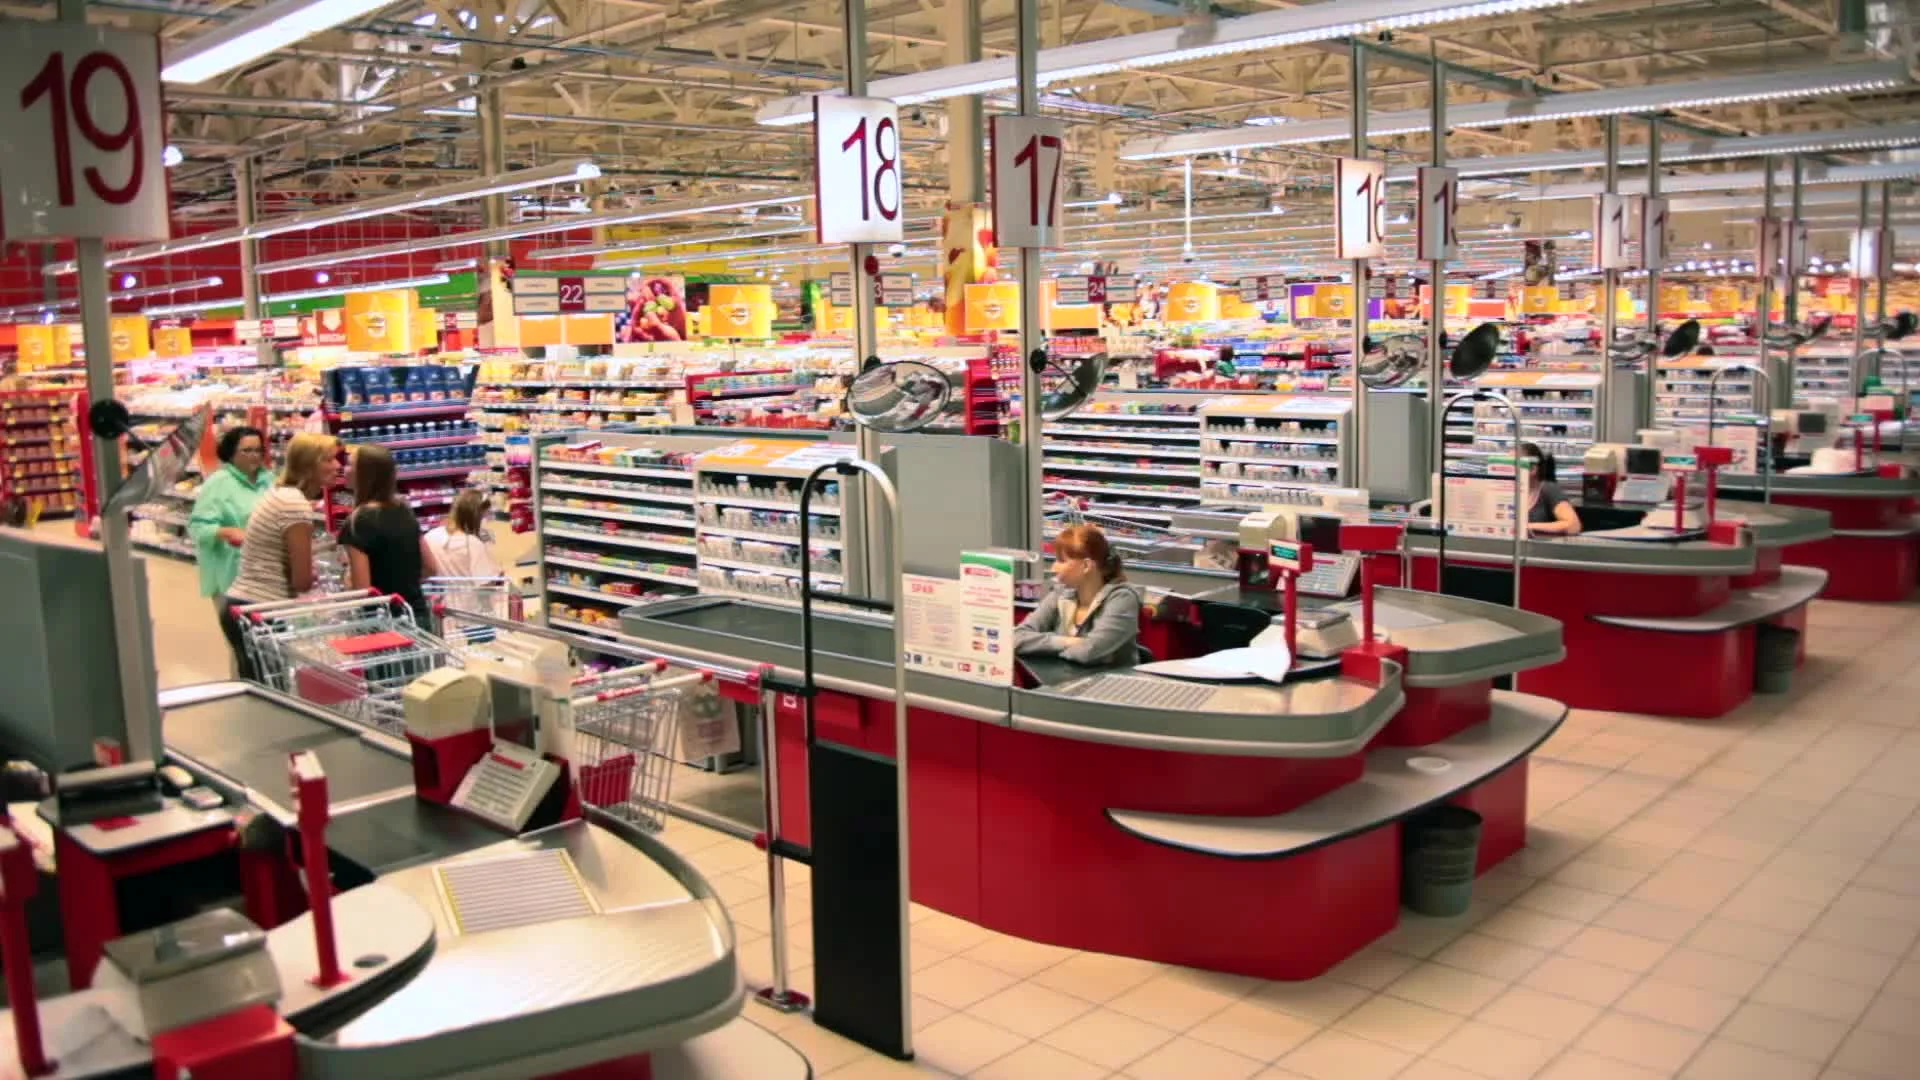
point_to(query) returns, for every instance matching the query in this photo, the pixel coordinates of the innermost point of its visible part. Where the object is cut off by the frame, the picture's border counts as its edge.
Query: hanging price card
(80, 133)
(1610, 232)
(856, 171)
(894, 290)
(1029, 159)
(1437, 208)
(1360, 212)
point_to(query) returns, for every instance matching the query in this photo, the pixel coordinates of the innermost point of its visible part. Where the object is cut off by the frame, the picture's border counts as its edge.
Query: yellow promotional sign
(380, 322)
(1724, 298)
(425, 332)
(740, 311)
(833, 320)
(1192, 301)
(128, 338)
(1232, 307)
(1539, 299)
(970, 260)
(587, 329)
(993, 307)
(1333, 301)
(39, 346)
(173, 341)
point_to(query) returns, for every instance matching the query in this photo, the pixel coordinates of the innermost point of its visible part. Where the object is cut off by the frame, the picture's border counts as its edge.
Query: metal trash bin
(1776, 651)
(1440, 849)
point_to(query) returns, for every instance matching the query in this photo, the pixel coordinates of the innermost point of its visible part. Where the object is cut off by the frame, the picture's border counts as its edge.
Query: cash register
(1320, 631)
(1644, 482)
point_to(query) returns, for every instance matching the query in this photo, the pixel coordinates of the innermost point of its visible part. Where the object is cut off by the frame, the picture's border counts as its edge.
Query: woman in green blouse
(220, 512)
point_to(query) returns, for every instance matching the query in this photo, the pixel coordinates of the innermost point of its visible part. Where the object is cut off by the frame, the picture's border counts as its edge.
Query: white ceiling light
(1174, 45)
(371, 286)
(518, 180)
(1692, 149)
(1656, 97)
(257, 34)
(208, 282)
(1729, 181)
(618, 247)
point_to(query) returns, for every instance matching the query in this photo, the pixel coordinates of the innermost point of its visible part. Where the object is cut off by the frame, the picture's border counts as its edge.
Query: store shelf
(790, 505)
(615, 515)
(1230, 435)
(620, 571)
(555, 622)
(1101, 489)
(1139, 418)
(771, 538)
(562, 465)
(1124, 451)
(1118, 466)
(414, 444)
(588, 384)
(440, 472)
(618, 541)
(1087, 433)
(768, 568)
(377, 413)
(572, 406)
(1312, 463)
(178, 551)
(777, 601)
(595, 594)
(1247, 481)
(620, 493)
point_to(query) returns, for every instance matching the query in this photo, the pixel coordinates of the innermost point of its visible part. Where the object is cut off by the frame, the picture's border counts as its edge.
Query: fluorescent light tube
(1656, 97)
(1248, 33)
(1729, 181)
(371, 286)
(209, 282)
(617, 247)
(257, 34)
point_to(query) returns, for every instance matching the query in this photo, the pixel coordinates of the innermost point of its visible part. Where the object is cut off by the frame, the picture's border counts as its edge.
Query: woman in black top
(384, 546)
(1548, 511)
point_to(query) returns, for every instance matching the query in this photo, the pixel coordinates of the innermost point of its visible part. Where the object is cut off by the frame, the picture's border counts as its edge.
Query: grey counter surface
(1594, 554)
(1828, 485)
(1780, 524)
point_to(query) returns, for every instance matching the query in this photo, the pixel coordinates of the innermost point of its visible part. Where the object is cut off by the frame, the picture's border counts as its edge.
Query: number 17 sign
(80, 133)
(856, 171)
(1029, 158)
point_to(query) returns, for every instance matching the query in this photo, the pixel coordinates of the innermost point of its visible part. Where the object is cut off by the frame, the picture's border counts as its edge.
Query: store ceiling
(663, 95)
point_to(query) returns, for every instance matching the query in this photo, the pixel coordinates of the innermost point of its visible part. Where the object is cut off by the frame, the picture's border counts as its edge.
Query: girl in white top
(460, 546)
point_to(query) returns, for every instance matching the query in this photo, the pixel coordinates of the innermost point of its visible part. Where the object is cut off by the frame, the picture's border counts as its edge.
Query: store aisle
(1737, 899)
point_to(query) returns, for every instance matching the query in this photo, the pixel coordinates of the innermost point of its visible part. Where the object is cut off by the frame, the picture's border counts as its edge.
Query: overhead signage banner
(582, 292)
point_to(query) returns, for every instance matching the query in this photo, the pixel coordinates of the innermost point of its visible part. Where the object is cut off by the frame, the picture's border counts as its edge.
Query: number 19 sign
(1029, 156)
(856, 171)
(1360, 211)
(80, 133)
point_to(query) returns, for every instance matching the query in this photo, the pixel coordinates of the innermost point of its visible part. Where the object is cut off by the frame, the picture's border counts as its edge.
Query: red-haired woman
(1093, 617)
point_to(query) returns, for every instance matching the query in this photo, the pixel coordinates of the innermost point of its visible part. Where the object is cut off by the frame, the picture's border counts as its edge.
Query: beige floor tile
(1639, 1041)
(1581, 980)
(1678, 1004)
(1017, 956)
(1336, 1055)
(1550, 1016)
(1877, 1054)
(1399, 1023)
(1878, 935)
(1429, 1069)
(1603, 946)
(1771, 911)
(1725, 975)
(1814, 994)
(1174, 1004)
(1861, 902)
(1038, 1061)
(1581, 1065)
(1905, 980)
(1184, 1059)
(1722, 1059)
(1448, 989)
(943, 931)
(1729, 937)
(1097, 977)
(1892, 1014)
(1533, 928)
(1030, 1009)
(1589, 873)
(1490, 956)
(1495, 1052)
(962, 1043)
(1657, 922)
(1108, 1038)
(1372, 967)
(1564, 901)
(1319, 1001)
(1254, 1030)
(1862, 967)
(958, 982)
(825, 1050)
(874, 1067)
(1785, 1031)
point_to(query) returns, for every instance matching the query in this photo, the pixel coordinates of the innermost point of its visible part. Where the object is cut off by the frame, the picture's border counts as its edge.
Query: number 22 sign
(856, 173)
(1029, 158)
(80, 133)
(1360, 212)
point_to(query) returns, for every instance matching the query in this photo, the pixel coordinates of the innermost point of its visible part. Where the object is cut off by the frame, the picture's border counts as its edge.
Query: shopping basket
(624, 726)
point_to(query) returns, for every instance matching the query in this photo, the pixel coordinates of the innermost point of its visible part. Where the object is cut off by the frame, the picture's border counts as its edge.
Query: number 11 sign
(80, 133)
(1029, 159)
(856, 171)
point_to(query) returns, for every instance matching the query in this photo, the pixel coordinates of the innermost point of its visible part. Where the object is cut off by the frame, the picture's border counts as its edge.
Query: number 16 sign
(80, 133)
(856, 171)
(1360, 210)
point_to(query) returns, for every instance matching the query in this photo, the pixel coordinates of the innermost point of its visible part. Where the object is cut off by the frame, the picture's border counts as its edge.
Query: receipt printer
(1258, 530)
(443, 702)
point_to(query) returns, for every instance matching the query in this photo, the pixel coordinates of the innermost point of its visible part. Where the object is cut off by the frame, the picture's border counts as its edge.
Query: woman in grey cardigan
(1093, 618)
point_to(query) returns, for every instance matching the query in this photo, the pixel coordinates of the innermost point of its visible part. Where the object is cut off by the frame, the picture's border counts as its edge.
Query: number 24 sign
(80, 133)
(856, 154)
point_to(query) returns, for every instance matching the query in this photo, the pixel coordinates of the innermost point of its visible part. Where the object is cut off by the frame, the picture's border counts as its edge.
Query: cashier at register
(1548, 511)
(1092, 617)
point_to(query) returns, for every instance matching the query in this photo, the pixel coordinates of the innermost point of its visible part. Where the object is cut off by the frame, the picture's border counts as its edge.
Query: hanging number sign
(1655, 218)
(856, 171)
(1610, 232)
(1360, 213)
(80, 133)
(1029, 164)
(1438, 207)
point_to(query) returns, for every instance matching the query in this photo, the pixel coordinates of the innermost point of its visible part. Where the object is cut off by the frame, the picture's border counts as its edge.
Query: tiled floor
(1722, 900)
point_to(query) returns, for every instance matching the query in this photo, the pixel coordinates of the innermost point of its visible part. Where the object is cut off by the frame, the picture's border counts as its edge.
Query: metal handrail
(1519, 493)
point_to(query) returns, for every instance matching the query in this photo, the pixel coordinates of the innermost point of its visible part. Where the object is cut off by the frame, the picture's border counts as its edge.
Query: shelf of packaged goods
(562, 465)
(555, 622)
(1553, 404)
(745, 391)
(599, 514)
(1311, 463)
(1263, 482)
(815, 542)
(768, 568)
(621, 493)
(165, 517)
(790, 505)
(620, 571)
(419, 501)
(573, 406)
(1124, 451)
(438, 472)
(373, 414)
(21, 488)
(1238, 435)
(1099, 433)
(1116, 466)
(1724, 384)
(1187, 495)
(1136, 418)
(416, 444)
(591, 384)
(617, 540)
(595, 594)
(57, 421)
(777, 601)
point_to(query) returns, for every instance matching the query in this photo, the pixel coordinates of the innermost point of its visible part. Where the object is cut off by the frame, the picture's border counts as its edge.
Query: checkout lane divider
(780, 995)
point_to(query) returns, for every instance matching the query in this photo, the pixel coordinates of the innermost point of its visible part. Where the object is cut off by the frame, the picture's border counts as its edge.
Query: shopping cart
(624, 726)
(354, 654)
(494, 596)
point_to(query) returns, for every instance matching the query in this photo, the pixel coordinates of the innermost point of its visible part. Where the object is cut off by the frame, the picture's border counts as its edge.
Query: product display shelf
(1558, 413)
(1682, 385)
(1822, 373)
(1274, 448)
(40, 453)
(1127, 453)
(748, 507)
(420, 413)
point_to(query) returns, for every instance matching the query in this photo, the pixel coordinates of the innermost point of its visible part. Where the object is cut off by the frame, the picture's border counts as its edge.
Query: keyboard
(1142, 692)
(1332, 576)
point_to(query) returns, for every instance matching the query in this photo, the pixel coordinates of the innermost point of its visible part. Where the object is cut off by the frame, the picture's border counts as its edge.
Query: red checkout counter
(1243, 827)
(1679, 616)
(1873, 550)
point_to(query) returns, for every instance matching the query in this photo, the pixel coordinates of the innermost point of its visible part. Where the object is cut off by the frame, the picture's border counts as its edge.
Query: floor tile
(1565, 901)
(1017, 956)
(1491, 957)
(1097, 977)
(1336, 1055)
(1550, 1016)
(1373, 968)
(1581, 1065)
(1254, 1030)
(1448, 989)
(1829, 998)
(1722, 1059)
(875, 1067)
(1894, 1014)
(1861, 967)
(1730, 937)
(1639, 1041)
(1532, 928)
(1581, 980)
(1399, 1023)
(1785, 1031)
(1877, 1054)
(1108, 1038)
(1319, 1001)
(1678, 1004)
(1429, 1069)
(1038, 1061)
(1728, 975)
(1030, 1009)
(1643, 918)
(1172, 1003)
(1617, 949)
(1185, 1058)
(1494, 1052)
(958, 982)
(962, 1043)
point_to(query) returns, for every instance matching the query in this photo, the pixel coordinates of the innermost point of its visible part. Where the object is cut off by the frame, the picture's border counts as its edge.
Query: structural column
(1646, 408)
(493, 163)
(1609, 296)
(1357, 101)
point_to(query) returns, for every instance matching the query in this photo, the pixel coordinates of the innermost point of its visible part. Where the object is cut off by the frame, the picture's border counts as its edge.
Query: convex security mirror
(911, 395)
(1391, 361)
(1476, 351)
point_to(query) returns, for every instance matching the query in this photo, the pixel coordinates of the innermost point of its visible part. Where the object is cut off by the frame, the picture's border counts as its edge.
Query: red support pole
(1679, 502)
(1292, 609)
(310, 793)
(17, 882)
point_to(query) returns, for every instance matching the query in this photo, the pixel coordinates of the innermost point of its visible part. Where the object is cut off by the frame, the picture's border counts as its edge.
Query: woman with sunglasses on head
(1093, 617)
(276, 552)
(385, 548)
(218, 524)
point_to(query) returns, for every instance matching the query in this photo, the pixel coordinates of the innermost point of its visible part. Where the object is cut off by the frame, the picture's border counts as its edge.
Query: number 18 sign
(80, 133)
(856, 171)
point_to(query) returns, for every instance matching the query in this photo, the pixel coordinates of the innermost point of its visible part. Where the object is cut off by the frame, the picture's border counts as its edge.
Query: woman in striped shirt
(276, 556)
